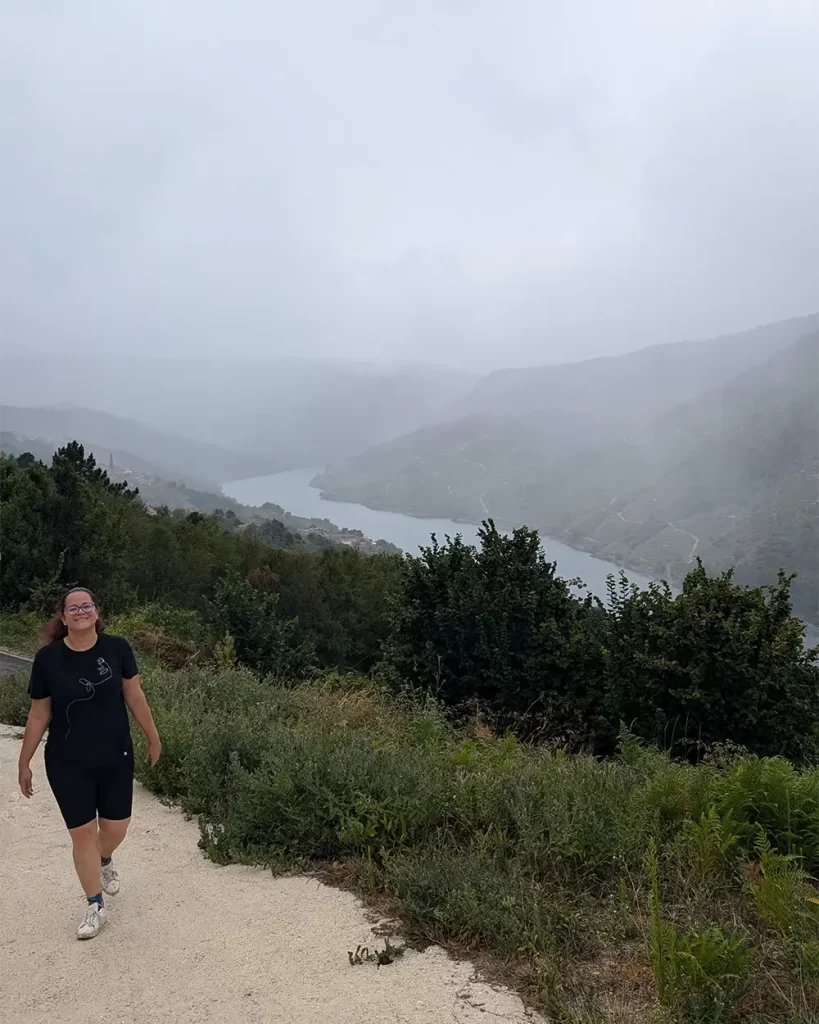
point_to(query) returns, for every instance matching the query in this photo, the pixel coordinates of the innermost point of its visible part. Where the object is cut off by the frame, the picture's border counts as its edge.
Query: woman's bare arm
(138, 706)
(39, 716)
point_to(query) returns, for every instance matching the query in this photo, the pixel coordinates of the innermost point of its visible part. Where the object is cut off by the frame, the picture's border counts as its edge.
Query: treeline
(490, 630)
(68, 524)
(496, 627)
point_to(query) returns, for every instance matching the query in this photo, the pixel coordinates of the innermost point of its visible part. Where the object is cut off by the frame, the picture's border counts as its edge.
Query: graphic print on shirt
(105, 674)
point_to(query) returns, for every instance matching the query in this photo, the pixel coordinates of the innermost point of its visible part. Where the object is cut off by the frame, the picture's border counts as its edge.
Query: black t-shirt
(89, 719)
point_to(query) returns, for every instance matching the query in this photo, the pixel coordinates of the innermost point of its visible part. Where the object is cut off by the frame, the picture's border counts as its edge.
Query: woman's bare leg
(110, 835)
(86, 857)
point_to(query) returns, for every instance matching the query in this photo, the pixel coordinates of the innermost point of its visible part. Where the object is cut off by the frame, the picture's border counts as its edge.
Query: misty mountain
(524, 426)
(638, 385)
(19, 444)
(133, 444)
(734, 478)
(127, 464)
(634, 476)
(291, 411)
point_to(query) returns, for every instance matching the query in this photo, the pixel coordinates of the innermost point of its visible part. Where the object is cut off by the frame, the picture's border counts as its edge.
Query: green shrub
(712, 974)
(248, 609)
(531, 852)
(14, 699)
(718, 662)
(20, 632)
(494, 625)
(808, 958)
(173, 636)
(711, 844)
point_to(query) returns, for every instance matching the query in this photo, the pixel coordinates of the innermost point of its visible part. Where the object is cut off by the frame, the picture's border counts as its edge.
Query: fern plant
(712, 971)
(710, 842)
(700, 976)
(784, 898)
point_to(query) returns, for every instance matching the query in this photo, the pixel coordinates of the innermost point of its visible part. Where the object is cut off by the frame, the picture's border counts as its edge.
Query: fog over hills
(297, 412)
(641, 472)
(131, 441)
(655, 377)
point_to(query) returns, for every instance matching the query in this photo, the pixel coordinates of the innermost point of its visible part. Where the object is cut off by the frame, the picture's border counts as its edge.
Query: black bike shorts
(84, 792)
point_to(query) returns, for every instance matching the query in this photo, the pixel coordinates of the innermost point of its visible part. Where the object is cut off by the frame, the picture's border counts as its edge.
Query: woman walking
(82, 683)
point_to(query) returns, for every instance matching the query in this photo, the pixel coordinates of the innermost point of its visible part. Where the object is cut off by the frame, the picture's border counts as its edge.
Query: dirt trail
(188, 942)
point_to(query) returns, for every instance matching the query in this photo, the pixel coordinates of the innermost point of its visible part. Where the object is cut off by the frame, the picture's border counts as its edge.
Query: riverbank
(293, 491)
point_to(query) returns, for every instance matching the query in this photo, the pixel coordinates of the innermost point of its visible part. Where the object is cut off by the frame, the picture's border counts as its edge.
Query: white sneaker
(92, 922)
(110, 879)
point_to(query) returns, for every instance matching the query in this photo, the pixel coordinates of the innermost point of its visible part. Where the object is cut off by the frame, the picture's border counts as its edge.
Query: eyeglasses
(75, 609)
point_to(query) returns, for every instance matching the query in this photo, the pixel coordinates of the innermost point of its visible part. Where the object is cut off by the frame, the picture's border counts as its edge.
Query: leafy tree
(340, 599)
(273, 533)
(86, 524)
(718, 662)
(248, 610)
(27, 558)
(494, 624)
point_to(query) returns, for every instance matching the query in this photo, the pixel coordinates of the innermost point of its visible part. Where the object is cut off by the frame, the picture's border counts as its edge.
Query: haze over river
(293, 492)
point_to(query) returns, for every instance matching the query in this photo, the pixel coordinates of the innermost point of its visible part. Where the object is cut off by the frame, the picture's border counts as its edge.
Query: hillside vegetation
(736, 483)
(68, 522)
(492, 624)
(269, 522)
(650, 459)
(610, 892)
(499, 769)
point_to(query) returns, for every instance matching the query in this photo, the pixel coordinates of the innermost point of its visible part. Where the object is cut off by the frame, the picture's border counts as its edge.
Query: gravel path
(188, 942)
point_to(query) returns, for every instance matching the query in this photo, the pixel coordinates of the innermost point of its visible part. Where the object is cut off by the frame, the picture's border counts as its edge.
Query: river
(293, 492)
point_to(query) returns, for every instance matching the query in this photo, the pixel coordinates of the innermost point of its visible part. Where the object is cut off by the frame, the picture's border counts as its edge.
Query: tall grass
(530, 853)
(20, 632)
(531, 856)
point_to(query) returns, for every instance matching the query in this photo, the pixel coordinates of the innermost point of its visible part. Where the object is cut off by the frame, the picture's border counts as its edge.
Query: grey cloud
(469, 182)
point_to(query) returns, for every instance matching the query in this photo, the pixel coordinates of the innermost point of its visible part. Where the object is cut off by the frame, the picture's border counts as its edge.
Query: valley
(647, 460)
(714, 457)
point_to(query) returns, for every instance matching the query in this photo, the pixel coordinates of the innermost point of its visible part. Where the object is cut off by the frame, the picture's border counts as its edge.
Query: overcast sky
(476, 183)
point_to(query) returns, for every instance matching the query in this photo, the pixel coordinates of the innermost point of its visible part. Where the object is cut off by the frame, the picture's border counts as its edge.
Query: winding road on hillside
(688, 533)
(188, 942)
